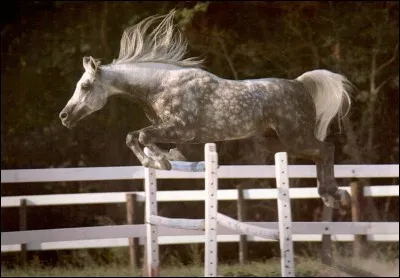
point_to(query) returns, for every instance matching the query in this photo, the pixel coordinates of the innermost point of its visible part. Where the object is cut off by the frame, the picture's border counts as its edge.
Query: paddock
(118, 235)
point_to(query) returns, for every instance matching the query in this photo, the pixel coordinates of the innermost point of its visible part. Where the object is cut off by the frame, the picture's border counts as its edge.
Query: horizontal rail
(169, 240)
(76, 244)
(187, 166)
(183, 195)
(114, 236)
(67, 234)
(119, 231)
(172, 240)
(178, 223)
(224, 172)
(247, 229)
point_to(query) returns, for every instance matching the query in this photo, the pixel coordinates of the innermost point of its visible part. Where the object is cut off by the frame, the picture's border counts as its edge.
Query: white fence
(117, 235)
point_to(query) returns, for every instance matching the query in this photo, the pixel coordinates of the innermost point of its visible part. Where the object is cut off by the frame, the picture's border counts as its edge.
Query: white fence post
(150, 187)
(284, 215)
(211, 208)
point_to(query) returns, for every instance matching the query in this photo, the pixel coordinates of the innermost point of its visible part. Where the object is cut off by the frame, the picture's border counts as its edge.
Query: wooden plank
(179, 223)
(383, 238)
(77, 244)
(80, 244)
(265, 193)
(224, 172)
(178, 239)
(326, 246)
(309, 171)
(131, 219)
(152, 261)
(66, 199)
(241, 216)
(23, 221)
(166, 240)
(282, 174)
(72, 174)
(246, 229)
(356, 202)
(178, 236)
(125, 231)
(337, 228)
(210, 211)
(182, 195)
(381, 190)
(116, 231)
(187, 166)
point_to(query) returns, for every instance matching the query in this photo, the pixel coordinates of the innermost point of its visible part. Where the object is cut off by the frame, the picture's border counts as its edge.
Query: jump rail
(213, 219)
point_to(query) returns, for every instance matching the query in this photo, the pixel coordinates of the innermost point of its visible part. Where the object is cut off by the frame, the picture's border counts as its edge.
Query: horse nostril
(63, 115)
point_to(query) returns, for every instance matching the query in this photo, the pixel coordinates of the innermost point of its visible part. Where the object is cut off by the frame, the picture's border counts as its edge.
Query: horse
(188, 105)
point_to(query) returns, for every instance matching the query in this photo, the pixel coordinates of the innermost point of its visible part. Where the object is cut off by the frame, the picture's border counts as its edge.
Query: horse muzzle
(68, 124)
(66, 119)
(70, 116)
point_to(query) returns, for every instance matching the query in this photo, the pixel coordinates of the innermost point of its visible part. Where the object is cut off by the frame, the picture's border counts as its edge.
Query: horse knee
(130, 137)
(143, 138)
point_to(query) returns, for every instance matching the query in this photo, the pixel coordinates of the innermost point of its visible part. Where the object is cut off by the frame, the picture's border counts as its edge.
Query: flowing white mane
(163, 44)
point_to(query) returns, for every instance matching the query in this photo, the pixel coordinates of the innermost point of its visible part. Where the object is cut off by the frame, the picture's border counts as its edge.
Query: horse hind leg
(327, 186)
(301, 141)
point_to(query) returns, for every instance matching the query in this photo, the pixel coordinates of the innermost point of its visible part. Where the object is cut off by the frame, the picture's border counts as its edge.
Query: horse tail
(330, 91)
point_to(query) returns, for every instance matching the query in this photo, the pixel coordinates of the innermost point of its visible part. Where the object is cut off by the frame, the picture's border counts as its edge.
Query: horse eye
(85, 86)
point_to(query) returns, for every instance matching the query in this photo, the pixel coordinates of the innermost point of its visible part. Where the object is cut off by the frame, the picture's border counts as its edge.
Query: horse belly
(229, 121)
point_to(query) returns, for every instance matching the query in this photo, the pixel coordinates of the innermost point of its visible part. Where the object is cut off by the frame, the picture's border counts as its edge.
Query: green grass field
(304, 267)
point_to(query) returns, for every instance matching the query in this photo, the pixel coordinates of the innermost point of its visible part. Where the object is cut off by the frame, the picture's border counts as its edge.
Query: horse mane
(163, 44)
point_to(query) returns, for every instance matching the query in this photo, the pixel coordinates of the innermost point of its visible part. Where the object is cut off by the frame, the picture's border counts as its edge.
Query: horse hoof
(341, 199)
(330, 201)
(344, 198)
(163, 163)
(176, 155)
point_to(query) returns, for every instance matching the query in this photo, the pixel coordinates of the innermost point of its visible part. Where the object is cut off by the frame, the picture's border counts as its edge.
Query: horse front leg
(172, 155)
(132, 141)
(147, 137)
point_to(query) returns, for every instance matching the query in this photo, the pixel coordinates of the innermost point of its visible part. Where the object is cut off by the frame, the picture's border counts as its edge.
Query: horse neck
(136, 80)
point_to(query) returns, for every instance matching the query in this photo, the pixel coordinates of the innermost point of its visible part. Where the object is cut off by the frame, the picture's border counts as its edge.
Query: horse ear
(90, 64)
(86, 61)
(94, 62)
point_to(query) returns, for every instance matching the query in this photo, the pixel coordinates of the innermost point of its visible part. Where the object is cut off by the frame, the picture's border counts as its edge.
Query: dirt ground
(332, 272)
(361, 268)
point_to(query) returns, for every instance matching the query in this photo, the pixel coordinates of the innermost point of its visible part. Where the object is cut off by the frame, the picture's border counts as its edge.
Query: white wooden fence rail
(117, 235)
(224, 172)
(183, 195)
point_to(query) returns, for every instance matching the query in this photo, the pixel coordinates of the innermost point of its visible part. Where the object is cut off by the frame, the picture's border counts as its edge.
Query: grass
(304, 267)
(251, 269)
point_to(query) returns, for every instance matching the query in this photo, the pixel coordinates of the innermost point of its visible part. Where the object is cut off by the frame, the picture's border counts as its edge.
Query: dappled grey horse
(188, 105)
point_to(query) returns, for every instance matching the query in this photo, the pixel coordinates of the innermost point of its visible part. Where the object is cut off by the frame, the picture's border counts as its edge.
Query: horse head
(89, 96)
